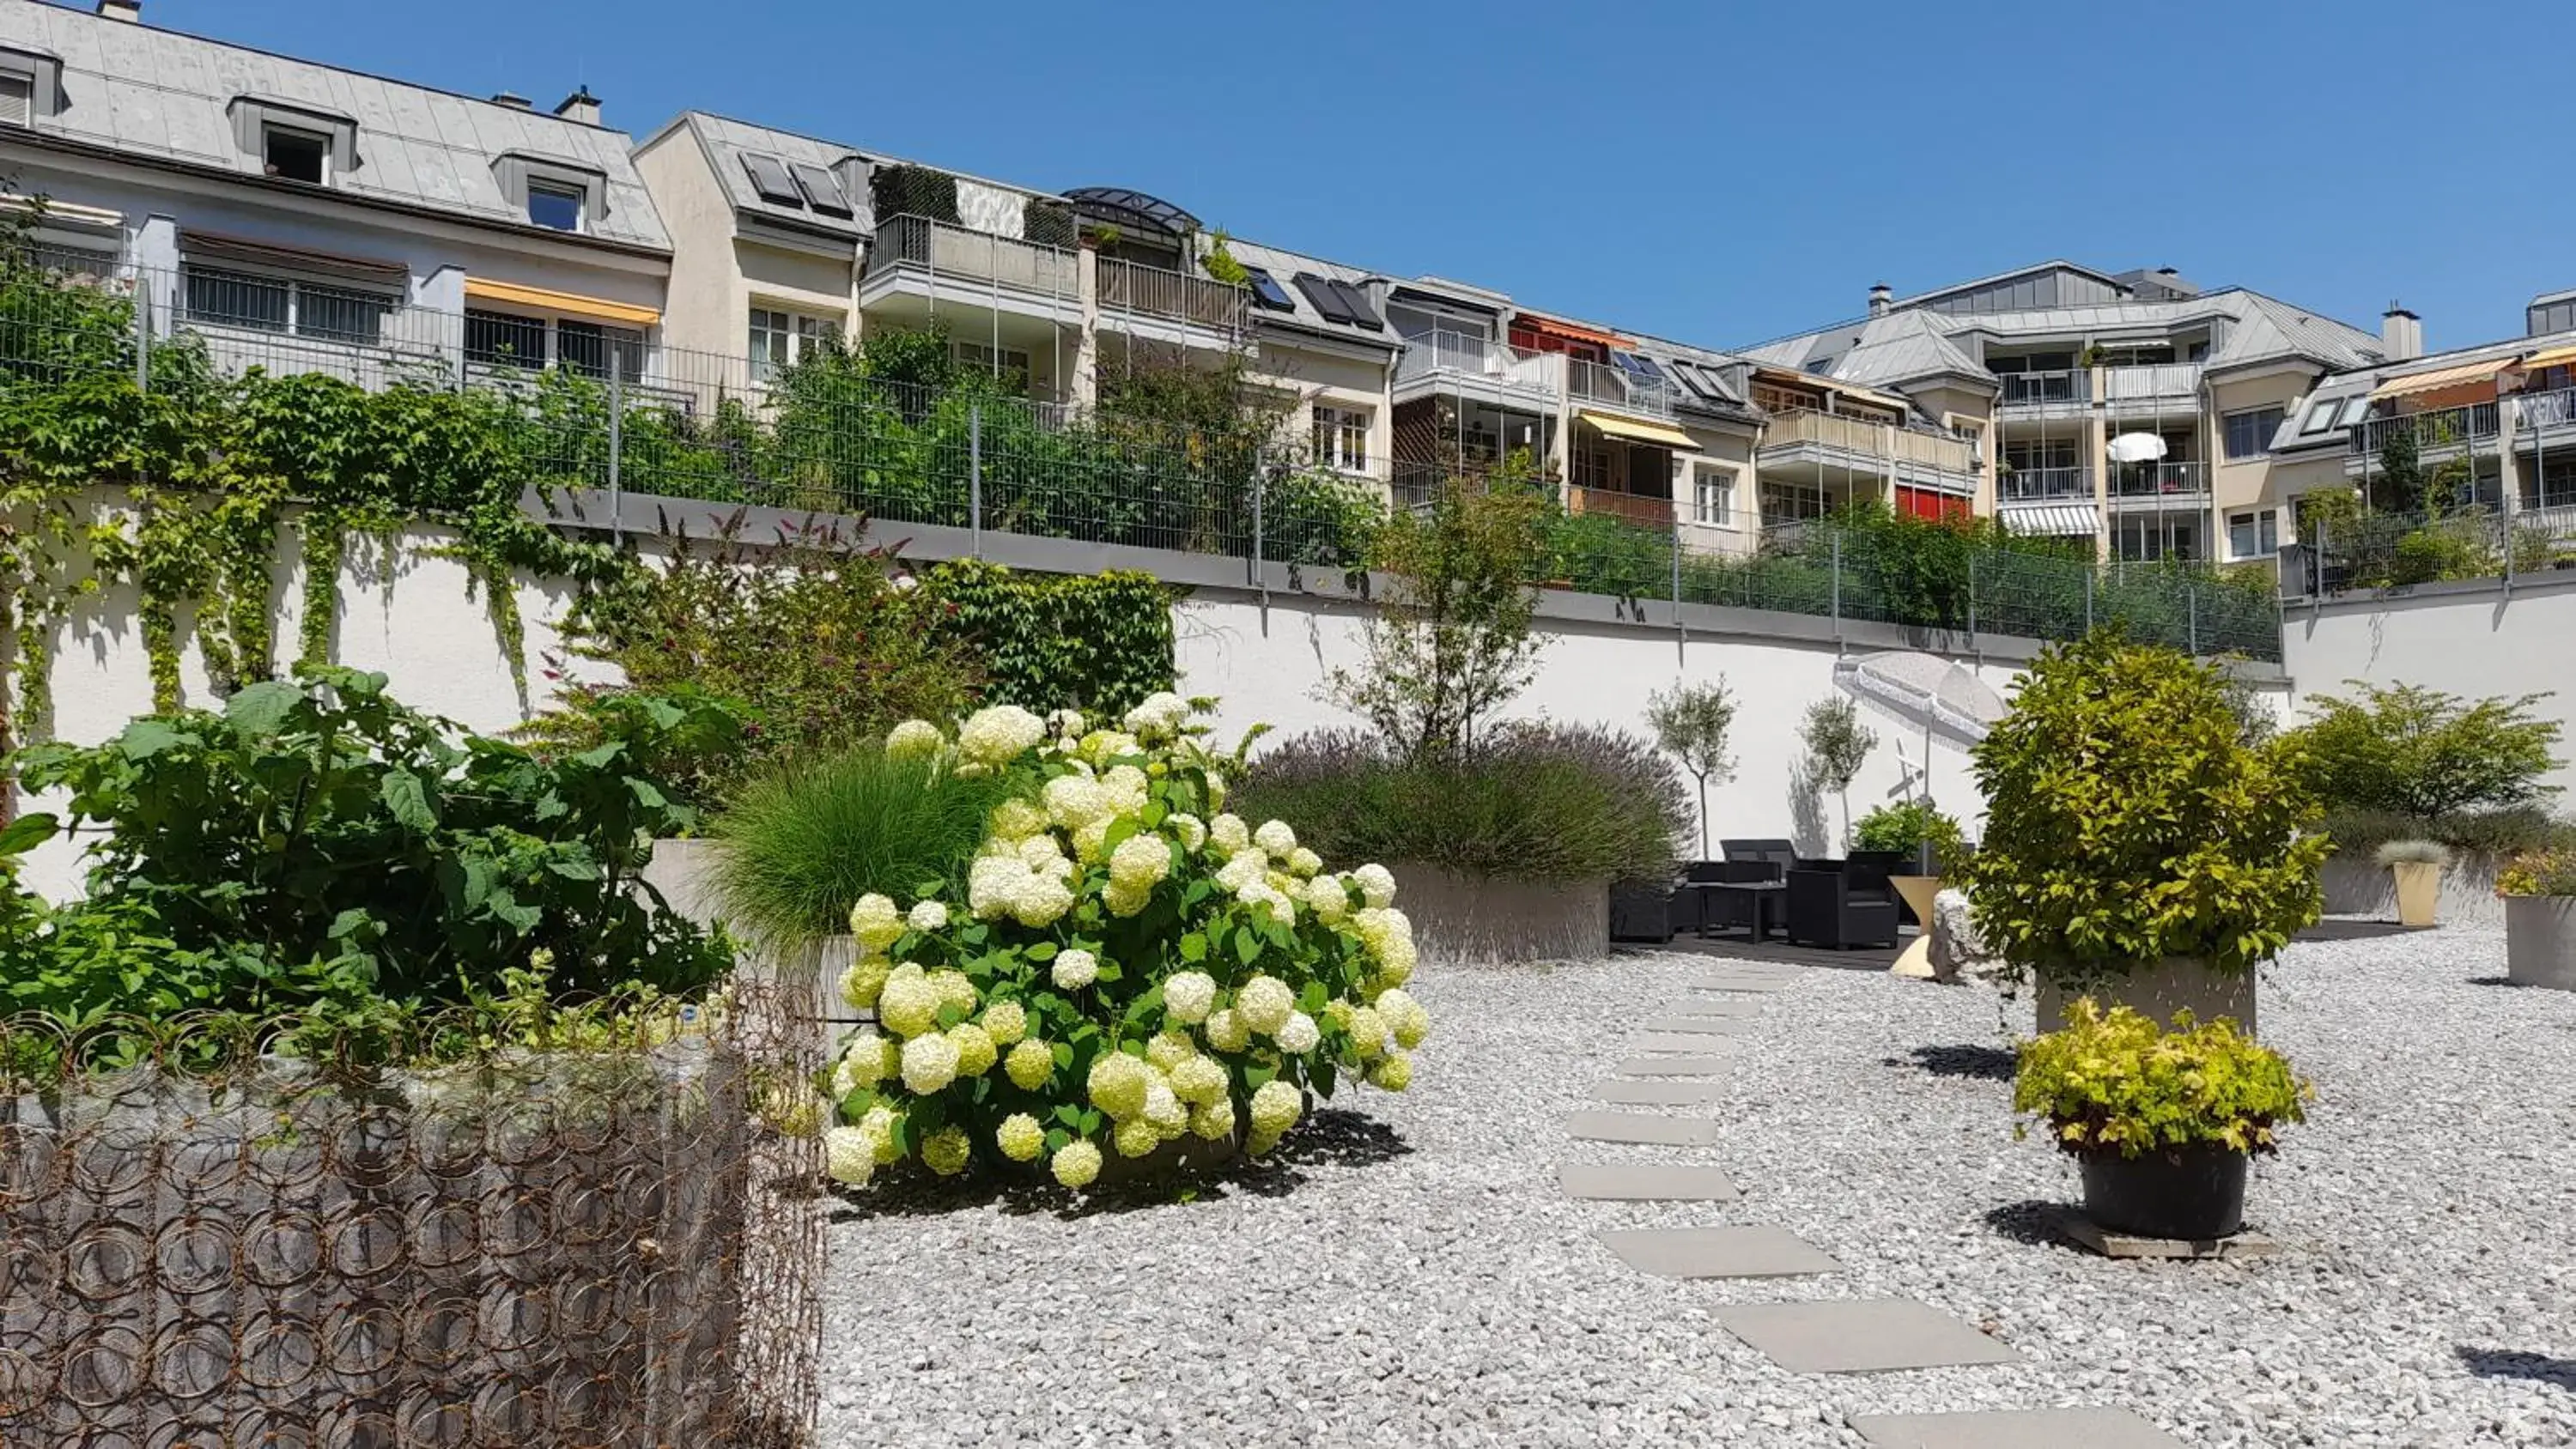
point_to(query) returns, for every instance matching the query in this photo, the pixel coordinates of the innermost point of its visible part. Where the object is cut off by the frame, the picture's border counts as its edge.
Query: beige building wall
(1322, 373)
(1728, 452)
(702, 314)
(2246, 483)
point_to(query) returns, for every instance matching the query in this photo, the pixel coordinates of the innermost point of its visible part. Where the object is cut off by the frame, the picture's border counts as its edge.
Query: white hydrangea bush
(1131, 967)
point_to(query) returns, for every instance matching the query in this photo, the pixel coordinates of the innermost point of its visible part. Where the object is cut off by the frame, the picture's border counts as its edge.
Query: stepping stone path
(1749, 1252)
(1696, 1038)
(2014, 1429)
(1644, 1182)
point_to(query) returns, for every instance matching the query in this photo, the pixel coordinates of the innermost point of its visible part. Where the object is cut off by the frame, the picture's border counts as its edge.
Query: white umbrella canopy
(1924, 692)
(2137, 448)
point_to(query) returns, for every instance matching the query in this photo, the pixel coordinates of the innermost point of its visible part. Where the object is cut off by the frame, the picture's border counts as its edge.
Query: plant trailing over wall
(2128, 820)
(2539, 873)
(319, 846)
(1101, 643)
(1130, 972)
(2117, 1085)
(1690, 722)
(1837, 745)
(900, 189)
(2407, 750)
(1556, 804)
(1048, 222)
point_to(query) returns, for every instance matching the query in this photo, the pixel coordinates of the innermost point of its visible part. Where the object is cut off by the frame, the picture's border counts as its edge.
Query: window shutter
(17, 100)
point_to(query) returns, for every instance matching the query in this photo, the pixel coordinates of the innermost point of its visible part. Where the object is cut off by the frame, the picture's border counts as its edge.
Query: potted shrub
(2139, 847)
(2539, 890)
(1929, 843)
(2161, 1123)
(2418, 866)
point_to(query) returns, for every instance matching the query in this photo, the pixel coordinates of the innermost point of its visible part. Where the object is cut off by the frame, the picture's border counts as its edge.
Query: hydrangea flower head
(1275, 1108)
(1275, 838)
(1119, 1085)
(1168, 1049)
(1159, 716)
(1229, 834)
(908, 1005)
(1300, 1035)
(914, 739)
(1304, 862)
(1214, 1119)
(1067, 724)
(1006, 1022)
(876, 922)
(1199, 1081)
(1226, 1032)
(1188, 996)
(1076, 1164)
(1074, 969)
(975, 1050)
(1405, 1017)
(1020, 1137)
(1135, 1137)
(954, 989)
(1392, 1072)
(1189, 830)
(863, 981)
(926, 917)
(1016, 819)
(1264, 1004)
(1368, 1033)
(1377, 885)
(1164, 1109)
(998, 734)
(868, 1059)
(1328, 898)
(929, 1063)
(947, 1151)
(1029, 1065)
(849, 1156)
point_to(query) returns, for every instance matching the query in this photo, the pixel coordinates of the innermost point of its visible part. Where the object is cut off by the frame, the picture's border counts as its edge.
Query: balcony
(1444, 359)
(1130, 290)
(2544, 411)
(2045, 485)
(2434, 428)
(1636, 508)
(2041, 391)
(2154, 487)
(1863, 445)
(1612, 387)
(917, 253)
(2167, 387)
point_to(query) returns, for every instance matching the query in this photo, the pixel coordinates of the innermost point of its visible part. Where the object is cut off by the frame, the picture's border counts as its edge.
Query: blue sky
(1717, 174)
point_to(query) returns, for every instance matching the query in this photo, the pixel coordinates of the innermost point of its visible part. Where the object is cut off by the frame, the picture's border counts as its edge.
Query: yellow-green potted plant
(2418, 866)
(2162, 1123)
(2539, 890)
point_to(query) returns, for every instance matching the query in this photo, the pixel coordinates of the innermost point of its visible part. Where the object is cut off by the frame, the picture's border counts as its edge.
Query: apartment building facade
(304, 217)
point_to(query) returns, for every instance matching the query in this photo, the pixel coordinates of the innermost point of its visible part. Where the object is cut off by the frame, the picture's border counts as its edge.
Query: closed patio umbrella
(1929, 693)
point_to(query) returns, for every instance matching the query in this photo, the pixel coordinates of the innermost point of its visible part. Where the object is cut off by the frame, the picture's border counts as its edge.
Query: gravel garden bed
(1413, 1275)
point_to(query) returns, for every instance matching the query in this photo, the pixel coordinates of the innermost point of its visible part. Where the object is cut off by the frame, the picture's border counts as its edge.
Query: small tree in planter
(2162, 1122)
(1838, 744)
(2137, 846)
(1916, 830)
(1691, 722)
(2539, 890)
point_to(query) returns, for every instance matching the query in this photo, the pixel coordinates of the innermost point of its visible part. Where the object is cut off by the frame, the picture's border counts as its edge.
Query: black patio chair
(1826, 910)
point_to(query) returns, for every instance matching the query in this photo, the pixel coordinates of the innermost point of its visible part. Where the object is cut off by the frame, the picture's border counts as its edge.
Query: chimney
(129, 11)
(2401, 333)
(1881, 297)
(580, 106)
(514, 101)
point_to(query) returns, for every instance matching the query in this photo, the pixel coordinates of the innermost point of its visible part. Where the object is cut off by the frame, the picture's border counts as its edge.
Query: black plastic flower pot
(2196, 1192)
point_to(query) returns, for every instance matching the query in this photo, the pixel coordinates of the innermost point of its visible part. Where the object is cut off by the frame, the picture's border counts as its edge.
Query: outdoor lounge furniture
(1733, 893)
(1890, 863)
(1840, 908)
(1779, 853)
(1643, 910)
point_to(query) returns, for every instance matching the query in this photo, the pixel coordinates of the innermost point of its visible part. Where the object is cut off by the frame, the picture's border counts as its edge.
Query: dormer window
(554, 192)
(560, 207)
(17, 100)
(293, 155)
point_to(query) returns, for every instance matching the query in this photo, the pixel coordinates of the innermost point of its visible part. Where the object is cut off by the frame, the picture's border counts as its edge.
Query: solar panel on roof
(821, 189)
(1266, 291)
(1319, 290)
(771, 180)
(1641, 368)
(1362, 314)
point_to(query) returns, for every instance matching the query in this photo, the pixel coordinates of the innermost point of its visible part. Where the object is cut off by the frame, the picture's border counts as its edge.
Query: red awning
(1570, 331)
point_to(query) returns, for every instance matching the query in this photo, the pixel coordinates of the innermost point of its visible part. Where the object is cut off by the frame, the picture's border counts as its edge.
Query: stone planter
(1467, 918)
(2175, 984)
(2419, 892)
(2540, 941)
(683, 870)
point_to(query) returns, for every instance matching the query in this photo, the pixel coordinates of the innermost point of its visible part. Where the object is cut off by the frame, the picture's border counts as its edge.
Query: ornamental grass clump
(2115, 1084)
(1129, 968)
(2412, 852)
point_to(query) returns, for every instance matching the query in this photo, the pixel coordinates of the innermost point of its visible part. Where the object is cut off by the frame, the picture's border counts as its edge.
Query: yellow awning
(2550, 358)
(1662, 435)
(2441, 377)
(574, 303)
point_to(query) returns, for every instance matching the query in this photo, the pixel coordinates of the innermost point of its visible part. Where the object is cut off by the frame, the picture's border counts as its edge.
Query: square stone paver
(1694, 1041)
(1738, 1005)
(1705, 1025)
(1756, 1251)
(2014, 1429)
(1640, 1128)
(1659, 1093)
(1746, 988)
(1860, 1336)
(1672, 1066)
(1644, 1182)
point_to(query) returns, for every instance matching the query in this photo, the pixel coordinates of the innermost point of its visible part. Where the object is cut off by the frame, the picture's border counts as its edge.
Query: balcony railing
(1443, 352)
(2533, 411)
(1631, 507)
(2042, 485)
(2034, 389)
(1199, 301)
(2433, 428)
(943, 250)
(1872, 439)
(2167, 382)
(1613, 387)
(2183, 482)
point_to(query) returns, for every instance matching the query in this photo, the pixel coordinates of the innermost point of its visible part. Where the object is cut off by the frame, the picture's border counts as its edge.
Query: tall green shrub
(1099, 643)
(2129, 820)
(2420, 752)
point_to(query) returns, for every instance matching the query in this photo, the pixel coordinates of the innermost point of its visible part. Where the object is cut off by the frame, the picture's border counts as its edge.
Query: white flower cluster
(992, 738)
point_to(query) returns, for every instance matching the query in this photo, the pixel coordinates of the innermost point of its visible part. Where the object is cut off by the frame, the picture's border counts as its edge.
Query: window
(1591, 467)
(557, 206)
(1266, 291)
(779, 339)
(1011, 363)
(503, 339)
(2249, 433)
(822, 191)
(17, 99)
(769, 178)
(2320, 416)
(284, 305)
(1713, 496)
(2253, 535)
(1341, 437)
(1788, 503)
(588, 347)
(292, 155)
(2354, 409)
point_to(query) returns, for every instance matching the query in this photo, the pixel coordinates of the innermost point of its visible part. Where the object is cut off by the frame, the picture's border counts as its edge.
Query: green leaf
(145, 738)
(408, 801)
(1194, 946)
(1247, 945)
(1042, 952)
(27, 832)
(261, 709)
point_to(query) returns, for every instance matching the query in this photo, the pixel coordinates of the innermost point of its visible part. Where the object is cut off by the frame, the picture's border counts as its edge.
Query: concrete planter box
(2175, 984)
(684, 872)
(1466, 918)
(2540, 941)
(2359, 886)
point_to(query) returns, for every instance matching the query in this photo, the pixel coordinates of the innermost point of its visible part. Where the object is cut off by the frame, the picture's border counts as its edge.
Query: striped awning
(2551, 357)
(2052, 520)
(2442, 377)
(483, 289)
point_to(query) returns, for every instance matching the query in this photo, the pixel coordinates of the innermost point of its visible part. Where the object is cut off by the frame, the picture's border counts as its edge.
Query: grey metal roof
(1283, 267)
(2361, 381)
(164, 96)
(2053, 264)
(726, 141)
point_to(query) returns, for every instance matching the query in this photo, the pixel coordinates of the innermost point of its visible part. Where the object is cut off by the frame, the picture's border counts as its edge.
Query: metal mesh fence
(592, 407)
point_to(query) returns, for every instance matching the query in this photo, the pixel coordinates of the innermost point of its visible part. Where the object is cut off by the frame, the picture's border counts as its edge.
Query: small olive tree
(1691, 722)
(1838, 744)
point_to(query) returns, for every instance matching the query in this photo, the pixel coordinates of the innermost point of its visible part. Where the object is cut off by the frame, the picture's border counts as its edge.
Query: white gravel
(1414, 1277)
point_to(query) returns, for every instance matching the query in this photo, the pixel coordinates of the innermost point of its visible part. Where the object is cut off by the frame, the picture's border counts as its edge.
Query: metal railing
(2032, 389)
(940, 249)
(1132, 287)
(2040, 485)
(1870, 438)
(1446, 352)
(2535, 410)
(2433, 427)
(1596, 382)
(2183, 482)
(2377, 551)
(2163, 382)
